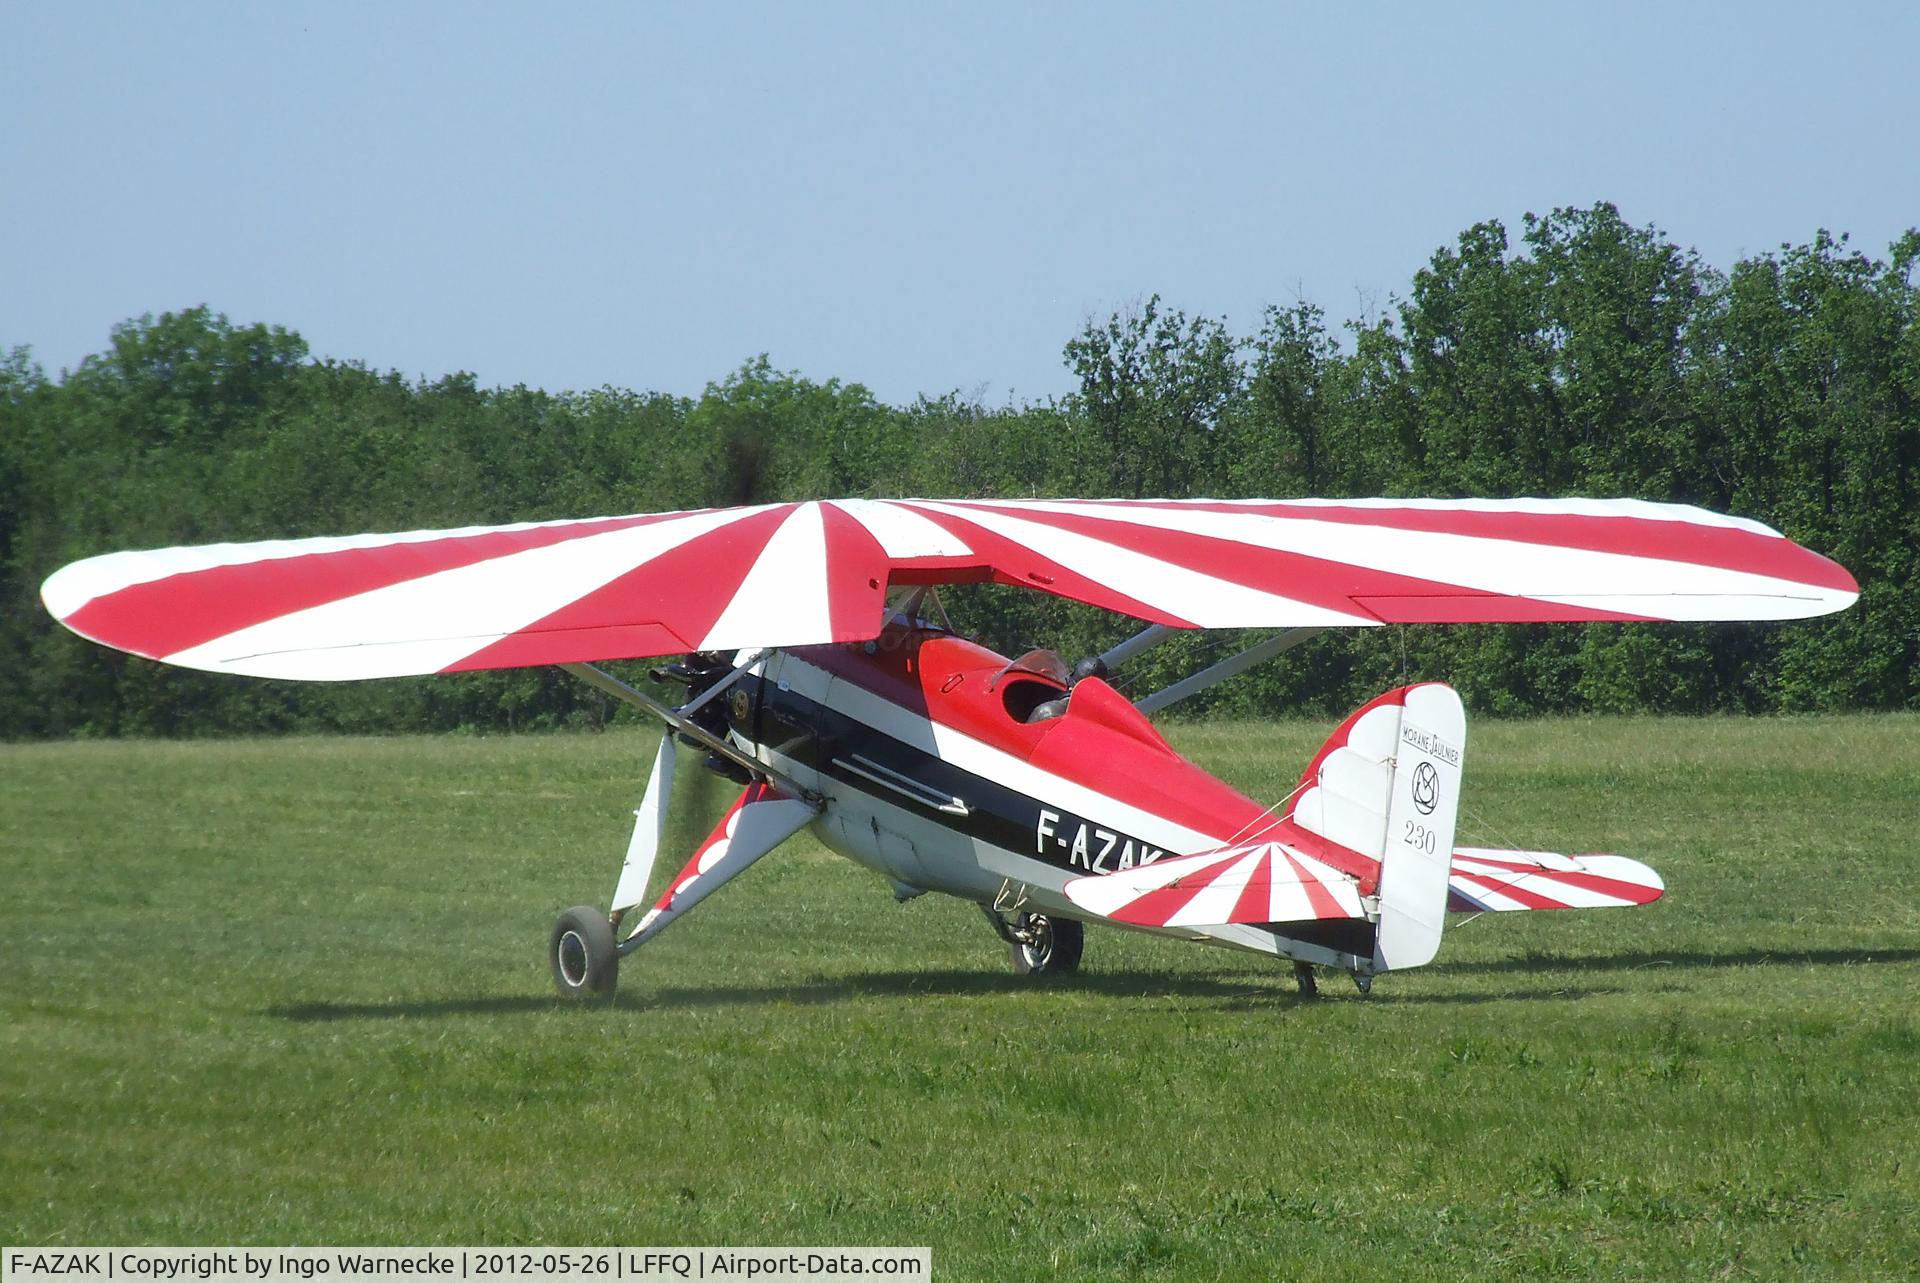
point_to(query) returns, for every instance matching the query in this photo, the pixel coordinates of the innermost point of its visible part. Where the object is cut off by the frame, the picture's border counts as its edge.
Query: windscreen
(1036, 663)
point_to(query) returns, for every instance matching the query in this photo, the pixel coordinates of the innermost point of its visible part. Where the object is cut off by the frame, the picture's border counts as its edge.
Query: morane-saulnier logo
(1426, 787)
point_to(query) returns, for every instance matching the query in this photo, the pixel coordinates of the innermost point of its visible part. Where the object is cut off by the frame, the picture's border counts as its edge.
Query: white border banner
(461, 1264)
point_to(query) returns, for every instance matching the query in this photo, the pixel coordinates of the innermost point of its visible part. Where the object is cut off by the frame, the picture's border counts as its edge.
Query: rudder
(1387, 786)
(1425, 803)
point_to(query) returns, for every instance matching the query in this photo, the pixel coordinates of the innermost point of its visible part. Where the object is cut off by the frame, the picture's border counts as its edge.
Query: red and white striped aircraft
(1036, 791)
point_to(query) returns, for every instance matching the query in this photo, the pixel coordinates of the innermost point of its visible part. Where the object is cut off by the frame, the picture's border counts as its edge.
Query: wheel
(586, 965)
(1303, 973)
(1056, 946)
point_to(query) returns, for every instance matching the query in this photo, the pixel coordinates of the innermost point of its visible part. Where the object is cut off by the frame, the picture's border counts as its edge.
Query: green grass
(292, 991)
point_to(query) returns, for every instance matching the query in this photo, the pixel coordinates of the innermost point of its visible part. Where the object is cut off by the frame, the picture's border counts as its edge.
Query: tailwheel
(1303, 975)
(1046, 946)
(586, 965)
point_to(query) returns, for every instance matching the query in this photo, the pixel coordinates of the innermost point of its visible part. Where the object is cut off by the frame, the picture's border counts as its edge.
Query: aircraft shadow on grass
(1246, 992)
(1647, 959)
(813, 991)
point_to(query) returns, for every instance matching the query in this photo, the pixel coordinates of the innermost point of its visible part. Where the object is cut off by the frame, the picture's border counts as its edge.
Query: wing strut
(677, 719)
(1146, 639)
(1231, 666)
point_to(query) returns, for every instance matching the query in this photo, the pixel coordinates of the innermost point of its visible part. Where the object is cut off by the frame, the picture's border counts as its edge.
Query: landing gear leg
(1303, 972)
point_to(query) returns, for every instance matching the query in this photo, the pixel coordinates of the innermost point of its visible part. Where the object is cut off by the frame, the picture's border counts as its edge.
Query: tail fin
(1386, 786)
(1374, 814)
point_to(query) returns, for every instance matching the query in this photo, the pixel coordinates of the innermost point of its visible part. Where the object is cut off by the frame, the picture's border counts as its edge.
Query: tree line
(1589, 357)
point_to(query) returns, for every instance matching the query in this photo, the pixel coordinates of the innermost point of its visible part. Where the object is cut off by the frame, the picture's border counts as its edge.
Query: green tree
(1154, 389)
(1280, 443)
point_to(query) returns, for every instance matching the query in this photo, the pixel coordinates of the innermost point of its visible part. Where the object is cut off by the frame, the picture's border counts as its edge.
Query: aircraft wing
(808, 573)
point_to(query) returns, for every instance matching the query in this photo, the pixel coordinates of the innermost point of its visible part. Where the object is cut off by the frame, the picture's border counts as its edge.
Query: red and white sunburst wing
(808, 573)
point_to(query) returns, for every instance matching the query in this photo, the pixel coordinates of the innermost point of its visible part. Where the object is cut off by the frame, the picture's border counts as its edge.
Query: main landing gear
(586, 963)
(1039, 945)
(1044, 946)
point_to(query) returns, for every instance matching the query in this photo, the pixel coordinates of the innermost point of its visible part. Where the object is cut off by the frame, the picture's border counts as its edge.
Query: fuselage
(934, 774)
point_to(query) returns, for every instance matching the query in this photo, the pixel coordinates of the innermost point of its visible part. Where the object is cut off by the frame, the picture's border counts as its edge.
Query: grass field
(293, 991)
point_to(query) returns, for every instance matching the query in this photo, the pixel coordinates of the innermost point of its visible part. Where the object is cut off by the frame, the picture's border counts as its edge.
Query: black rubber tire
(1309, 983)
(580, 949)
(1059, 954)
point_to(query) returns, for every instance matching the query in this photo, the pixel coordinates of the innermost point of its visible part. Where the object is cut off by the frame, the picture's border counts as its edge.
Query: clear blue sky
(915, 197)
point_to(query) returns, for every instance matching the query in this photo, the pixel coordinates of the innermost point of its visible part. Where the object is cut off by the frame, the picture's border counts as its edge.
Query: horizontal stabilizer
(1486, 880)
(1260, 883)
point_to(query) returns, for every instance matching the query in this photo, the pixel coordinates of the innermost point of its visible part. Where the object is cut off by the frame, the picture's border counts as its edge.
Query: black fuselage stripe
(821, 738)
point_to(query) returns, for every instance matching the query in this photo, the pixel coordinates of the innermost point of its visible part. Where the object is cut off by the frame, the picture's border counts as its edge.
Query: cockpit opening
(1028, 700)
